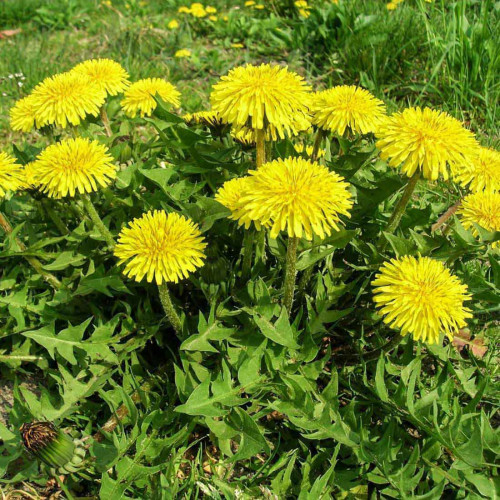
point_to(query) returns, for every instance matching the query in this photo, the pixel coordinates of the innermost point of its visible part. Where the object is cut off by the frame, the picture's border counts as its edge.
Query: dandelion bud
(52, 447)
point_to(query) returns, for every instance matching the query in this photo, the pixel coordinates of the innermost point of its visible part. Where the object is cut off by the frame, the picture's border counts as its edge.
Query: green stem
(375, 353)
(168, 307)
(33, 261)
(58, 222)
(317, 143)
(400, 208)
(105, 122)
(97, 221)
(260, 140)
(12, 357)
(63, 487)
(246, 265)
(290, 273)
(304, 280)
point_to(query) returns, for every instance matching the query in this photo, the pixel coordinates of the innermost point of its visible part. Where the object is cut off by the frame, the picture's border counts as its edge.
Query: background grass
(442, 53)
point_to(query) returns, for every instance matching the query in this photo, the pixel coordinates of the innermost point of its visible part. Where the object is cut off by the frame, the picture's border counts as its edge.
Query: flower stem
(105, 122)
(33, 261)
(317, 143)
(304, 280)
(290, 273)
(449, 213)
(97, 221)
(374, 354)
(400, 208)
(58, 222)
(168, 307)
(246, 265)
(260, 139)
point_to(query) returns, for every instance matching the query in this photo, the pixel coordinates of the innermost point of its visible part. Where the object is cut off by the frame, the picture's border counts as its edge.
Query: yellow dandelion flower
(212, 18)
(30, 175)
(483, 209)
(65, 99)
(301, 4)
(259, 96)
(161, 247)
(108, 74)
(184, 10)
(304, 13)
(425, 140)
(247, 135)
(197, 10)
(22, 115)
(173, 24)
(259, 7)
(483, 174)
(421, 297)
(391, 6)
(209, 118)
(139, 97)
(308, 150)
(183, 53)
(73, 165)
(296, 196)
(347, 107)
(243, 135)
(249, 3)
(12, 175)
(210, 9)
(230, 195)
(237, 46)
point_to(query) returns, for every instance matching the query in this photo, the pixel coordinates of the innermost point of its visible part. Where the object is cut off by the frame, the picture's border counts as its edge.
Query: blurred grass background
(444, 53)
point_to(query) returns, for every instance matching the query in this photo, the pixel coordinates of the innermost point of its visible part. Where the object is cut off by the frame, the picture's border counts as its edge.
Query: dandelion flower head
(161, 247)
(297, 196)
(108, 74)
(12, 176)
(481, 208)
(73, 166)
(420, 296)
(262, 96)
(347, 107)
(425, 140)
(139, 97)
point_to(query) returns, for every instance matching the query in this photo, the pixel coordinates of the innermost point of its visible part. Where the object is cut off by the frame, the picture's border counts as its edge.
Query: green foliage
(248, 403)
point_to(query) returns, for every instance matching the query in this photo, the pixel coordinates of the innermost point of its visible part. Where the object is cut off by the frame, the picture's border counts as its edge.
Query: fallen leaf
(7, 33)
(463, 338)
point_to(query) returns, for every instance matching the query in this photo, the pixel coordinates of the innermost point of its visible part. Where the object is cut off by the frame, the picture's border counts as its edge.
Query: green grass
(442, 54)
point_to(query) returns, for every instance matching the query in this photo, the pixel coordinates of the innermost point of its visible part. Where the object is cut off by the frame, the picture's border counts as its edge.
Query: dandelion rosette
(421, 297)
(483, 209)
(262, 96)
(139, 97)
(161, 247)
(65, 99)
(22, 114)
(73, 165)
(12, 175)
(347, 107)
(297, 196)
(426, 140)
(483, 174)
(108, 74)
